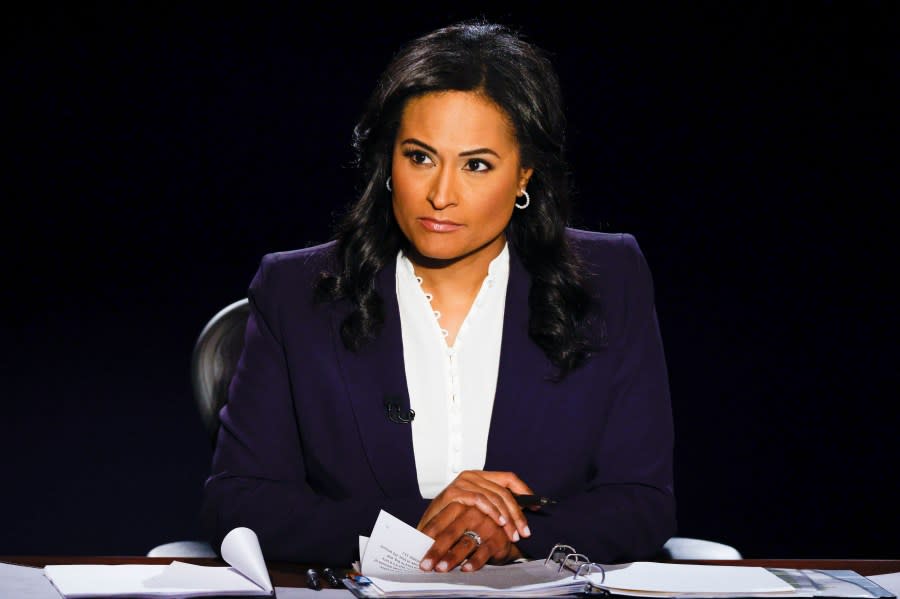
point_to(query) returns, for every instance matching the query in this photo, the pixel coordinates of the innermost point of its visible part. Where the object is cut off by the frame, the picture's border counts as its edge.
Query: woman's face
(455, 176)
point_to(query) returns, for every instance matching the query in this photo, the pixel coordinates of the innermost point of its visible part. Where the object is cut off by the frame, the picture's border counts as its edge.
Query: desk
(288, 574)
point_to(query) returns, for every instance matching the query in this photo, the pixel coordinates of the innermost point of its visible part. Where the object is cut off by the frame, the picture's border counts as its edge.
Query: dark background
(155, 151)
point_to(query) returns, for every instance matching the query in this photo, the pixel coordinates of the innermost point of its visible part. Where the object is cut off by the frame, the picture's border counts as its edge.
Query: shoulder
(295, 270)
(316, 256)
(604, 249)
(285, 282)
(298, 262)
(616, 273)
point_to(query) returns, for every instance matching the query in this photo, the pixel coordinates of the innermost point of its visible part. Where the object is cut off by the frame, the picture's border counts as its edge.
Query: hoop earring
(387, 183)
(527, 201)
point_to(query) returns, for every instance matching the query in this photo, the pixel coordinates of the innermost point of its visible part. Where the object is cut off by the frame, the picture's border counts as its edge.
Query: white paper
(690, 578)
(305, 593)
(363, 543)
(240, 548)
(394, 547)
(25, 582)
(530, 576)
(890, 582)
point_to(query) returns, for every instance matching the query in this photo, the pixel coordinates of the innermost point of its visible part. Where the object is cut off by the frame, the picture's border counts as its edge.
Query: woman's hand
(488, 492)
(452, 546)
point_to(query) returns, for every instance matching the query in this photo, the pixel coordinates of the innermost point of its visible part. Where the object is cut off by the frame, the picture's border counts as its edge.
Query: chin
(441, 254)
(439, 251)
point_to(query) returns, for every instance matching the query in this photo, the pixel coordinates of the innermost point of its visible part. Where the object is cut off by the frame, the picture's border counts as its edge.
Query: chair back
(691, 548)
(214, 361)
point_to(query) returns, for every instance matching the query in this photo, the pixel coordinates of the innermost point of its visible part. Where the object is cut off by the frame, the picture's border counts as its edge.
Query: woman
(456, 344)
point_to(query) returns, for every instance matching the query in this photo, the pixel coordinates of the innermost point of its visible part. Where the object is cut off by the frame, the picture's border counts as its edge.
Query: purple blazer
(306, 455)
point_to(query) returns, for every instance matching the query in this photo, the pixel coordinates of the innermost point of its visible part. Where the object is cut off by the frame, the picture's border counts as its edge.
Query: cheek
(397, 209)
(403, 214)
(401, 203)
(499, 209)
(405, 192)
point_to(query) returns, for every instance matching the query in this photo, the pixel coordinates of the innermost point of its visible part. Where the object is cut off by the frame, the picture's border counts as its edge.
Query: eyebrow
(416, 142)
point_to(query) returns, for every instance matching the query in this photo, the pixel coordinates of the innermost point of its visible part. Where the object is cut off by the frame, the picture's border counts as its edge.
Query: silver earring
(527, 201)
(388, 183)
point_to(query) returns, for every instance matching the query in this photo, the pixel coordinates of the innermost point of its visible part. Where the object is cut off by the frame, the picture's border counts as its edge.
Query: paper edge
(241, 550)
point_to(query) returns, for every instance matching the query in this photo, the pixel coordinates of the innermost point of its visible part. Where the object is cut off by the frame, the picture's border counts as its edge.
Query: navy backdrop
(157, 150)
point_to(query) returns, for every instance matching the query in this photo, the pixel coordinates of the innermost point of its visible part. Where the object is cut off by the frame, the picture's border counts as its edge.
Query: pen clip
(534, 500)
(312, 579)
(332, 578)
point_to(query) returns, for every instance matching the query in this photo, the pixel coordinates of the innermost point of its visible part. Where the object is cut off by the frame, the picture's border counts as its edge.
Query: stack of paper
(248, 575)
(390, 561)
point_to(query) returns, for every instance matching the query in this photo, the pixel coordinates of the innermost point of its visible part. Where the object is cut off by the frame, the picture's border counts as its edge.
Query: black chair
(214, 360)
(213, 363)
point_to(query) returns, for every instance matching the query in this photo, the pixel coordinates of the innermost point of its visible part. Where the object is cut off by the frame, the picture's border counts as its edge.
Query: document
(394, 547)
(247, 575)
(389, 565)
(832, 583)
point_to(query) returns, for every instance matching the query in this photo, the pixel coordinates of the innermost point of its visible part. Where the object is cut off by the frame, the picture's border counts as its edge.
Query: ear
(524, 176)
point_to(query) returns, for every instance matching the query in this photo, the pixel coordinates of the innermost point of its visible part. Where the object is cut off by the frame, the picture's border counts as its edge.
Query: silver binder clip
(573, 562)
(587, 568)
(578, 563)
(558, 553)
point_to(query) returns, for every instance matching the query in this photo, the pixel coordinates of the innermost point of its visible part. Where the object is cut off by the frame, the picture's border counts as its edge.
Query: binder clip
(579, 564)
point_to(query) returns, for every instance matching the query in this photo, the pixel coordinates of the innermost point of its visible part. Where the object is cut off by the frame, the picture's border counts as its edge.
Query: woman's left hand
(491, 492)
(452, 545)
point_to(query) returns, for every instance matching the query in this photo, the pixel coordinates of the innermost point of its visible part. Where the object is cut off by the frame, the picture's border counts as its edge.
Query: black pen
(332, 578)
(312, 580)
(530, 500)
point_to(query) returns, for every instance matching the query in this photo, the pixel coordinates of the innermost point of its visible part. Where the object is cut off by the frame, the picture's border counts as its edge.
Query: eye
(417, 156)
(478, 165)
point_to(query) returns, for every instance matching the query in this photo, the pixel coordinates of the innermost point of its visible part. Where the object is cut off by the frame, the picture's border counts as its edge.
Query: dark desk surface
(288, 574)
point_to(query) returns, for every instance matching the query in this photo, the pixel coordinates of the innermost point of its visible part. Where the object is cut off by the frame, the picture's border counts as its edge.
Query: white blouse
(451, 389)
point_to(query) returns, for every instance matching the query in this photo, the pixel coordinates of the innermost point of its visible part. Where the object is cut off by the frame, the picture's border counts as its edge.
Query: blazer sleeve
(627, 508)
(258, 477)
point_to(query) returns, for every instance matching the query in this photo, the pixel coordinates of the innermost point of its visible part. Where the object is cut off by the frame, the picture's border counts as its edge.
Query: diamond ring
(474, 536)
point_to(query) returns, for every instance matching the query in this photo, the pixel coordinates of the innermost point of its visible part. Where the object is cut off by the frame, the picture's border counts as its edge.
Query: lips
(439, 226)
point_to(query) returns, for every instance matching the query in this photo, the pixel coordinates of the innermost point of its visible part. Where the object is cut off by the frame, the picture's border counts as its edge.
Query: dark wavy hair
(496, 62)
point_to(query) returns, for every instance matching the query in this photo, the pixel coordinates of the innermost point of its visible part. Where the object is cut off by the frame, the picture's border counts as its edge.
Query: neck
(462, 275)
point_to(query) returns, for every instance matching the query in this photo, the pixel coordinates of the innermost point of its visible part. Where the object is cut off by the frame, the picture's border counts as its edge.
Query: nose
(443, 188)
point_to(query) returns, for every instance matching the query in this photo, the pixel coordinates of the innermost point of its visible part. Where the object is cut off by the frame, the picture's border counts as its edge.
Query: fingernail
(516, 537)
(527, 532)
(467, 567)
(426, 564)
(502, 521)
(442, 566)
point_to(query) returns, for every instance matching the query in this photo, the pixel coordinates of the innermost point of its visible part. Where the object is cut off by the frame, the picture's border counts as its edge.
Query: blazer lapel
(374, 374)
(518, 401)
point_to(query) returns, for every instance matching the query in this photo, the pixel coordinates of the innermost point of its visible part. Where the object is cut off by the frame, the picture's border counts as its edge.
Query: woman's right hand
(464, 536)
(489, 491)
